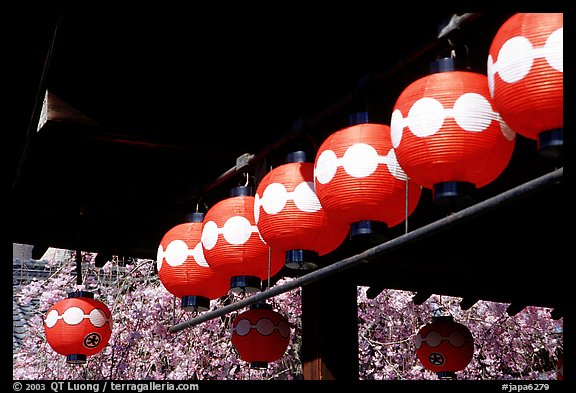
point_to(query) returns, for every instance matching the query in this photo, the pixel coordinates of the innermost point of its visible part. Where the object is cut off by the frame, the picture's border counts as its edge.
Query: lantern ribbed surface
(358, 178)
(78, 326)
(260, 335)
(289, 215)
(231, 241)
(182, 267)
(444, 128)
(444, 345)
(525, 72)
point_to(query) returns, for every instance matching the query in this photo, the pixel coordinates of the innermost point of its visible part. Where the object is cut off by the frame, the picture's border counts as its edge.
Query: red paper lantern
(560, 368)
(260, 335)
(525, 75)
(78, 326)
(233, 246)
(447, 135)
(358, 179)
(444, 346)
(290, 217)
(183, 270)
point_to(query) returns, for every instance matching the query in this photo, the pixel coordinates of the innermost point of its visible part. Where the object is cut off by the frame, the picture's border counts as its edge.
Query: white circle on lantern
(472, 112)
(274, 198)
(326, 166)
(490, 71)
(159, 257)
(209, 235)
(73, 315)
(265, 326)
(396, 127)
(198, 255)
(176, 253)
(237, 230)
(554, 49)
(509, 133)
(360, 160)
(426, 117)
(515, 59)
(257, 205)
(305, 197)
(284, 328)
(51, 318)
(418, 341)
(98, 317)
(394, 167)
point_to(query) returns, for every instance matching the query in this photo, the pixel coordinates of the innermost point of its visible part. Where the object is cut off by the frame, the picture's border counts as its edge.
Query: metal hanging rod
(513, 194)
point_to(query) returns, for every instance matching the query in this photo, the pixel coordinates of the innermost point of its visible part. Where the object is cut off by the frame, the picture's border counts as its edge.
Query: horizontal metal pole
(363, 257)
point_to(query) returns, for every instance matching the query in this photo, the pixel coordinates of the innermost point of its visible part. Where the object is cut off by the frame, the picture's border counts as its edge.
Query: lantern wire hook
(198, 205)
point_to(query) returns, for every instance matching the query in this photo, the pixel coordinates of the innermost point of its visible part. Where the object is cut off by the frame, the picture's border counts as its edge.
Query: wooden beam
(330, 330)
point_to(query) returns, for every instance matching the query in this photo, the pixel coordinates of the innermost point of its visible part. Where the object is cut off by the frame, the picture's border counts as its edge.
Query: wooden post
(330, 329)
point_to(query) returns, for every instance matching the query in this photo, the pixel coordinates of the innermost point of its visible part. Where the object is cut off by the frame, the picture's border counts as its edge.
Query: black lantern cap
(248, 284)
(195, 303)
(77, 294)
(259, 365)
(551, 143)
(296, 156)
(301, 259)
(261, 305)
(76, 359)
(367, 233)
(195, 217)
(448, 375)
(358, 118)
(453, 194)
(442, 318)
(447, 64)
(242, 191)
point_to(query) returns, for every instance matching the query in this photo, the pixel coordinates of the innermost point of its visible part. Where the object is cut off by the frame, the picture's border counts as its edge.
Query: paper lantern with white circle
(444, 346)
(448, 136)
(358, 178)
(233, 246)
(183, 270)
(526, 77)
(290, 217)
(260, 335)
(78, 326)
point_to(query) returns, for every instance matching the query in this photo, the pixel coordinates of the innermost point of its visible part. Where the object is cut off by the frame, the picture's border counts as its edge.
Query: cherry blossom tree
(524, 346)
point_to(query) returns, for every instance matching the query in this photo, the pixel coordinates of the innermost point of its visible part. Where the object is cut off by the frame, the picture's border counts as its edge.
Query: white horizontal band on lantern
(236, 230)
(360, 160)
(264, 326)
(177, 252)
(275, 197)
(516, 56)
(75, 315)
(471, 111)
(434, 338)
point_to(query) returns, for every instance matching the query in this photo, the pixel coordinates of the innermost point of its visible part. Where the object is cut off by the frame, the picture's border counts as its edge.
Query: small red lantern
(358, 179)
(525, 75)
(290, 217)
(448, 136)
(233, 246)
(78, 326)
(444, 346)
(260, 335)
(560, 368)
(183, 270)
